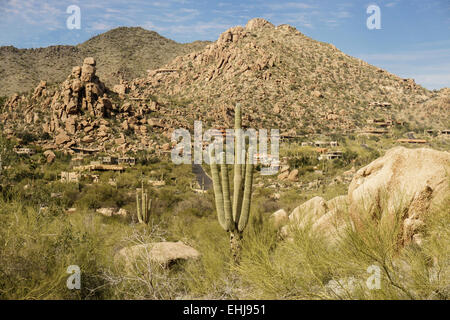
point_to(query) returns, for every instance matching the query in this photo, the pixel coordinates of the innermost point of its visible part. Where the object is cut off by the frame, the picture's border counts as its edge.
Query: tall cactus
(143, 206)
(234, 216)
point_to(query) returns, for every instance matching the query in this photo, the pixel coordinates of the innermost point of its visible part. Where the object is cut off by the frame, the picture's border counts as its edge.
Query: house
(96, 166)
(333, 144)
(85, 150)
(375, 131)
(331, 155)
(24, 151)
(415, 141)
(321, 144)
(69, 177)
(126, 160)
(108, 160)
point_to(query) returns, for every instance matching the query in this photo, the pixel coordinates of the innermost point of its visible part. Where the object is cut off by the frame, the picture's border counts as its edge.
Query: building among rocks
(412, 141)
(70, 177)
(331, 155)
(24, 151)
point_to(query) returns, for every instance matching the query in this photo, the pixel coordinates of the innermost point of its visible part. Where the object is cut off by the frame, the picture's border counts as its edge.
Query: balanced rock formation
(79, 113)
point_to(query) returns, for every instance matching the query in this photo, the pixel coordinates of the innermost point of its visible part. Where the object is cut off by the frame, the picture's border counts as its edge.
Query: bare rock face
(311, 209)
(232, 35)
(84, 92)
(62, 138)
(160, 252)
(325, 217)
(413, 180)
(40, 89)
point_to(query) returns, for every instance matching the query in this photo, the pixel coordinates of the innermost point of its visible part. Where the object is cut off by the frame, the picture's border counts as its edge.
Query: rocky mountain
(122, 53)
(289, 81)
(282, 78)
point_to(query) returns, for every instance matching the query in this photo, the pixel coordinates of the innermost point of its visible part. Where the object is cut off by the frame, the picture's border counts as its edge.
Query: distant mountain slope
(121, 52)
(287, 80)
(283, 79)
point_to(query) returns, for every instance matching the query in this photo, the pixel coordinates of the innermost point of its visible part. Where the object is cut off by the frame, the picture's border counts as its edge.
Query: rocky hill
(289, 81)
(282, 78)
(121, 53)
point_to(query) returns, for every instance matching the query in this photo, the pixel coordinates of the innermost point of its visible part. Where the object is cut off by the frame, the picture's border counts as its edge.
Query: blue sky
(413, 41)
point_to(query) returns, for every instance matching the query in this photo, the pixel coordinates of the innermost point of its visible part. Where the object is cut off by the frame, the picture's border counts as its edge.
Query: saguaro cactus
(234, 216)
(143, 206)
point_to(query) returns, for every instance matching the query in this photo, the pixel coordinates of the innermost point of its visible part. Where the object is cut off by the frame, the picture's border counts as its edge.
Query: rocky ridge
(283, 79)
(286, 80)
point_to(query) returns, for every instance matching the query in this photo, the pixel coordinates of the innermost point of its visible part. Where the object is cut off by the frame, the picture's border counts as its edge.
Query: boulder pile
(409, 182)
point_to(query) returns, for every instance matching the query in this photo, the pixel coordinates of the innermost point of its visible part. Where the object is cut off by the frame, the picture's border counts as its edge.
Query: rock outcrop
(162, 253)
(408, 182)
(412, 181)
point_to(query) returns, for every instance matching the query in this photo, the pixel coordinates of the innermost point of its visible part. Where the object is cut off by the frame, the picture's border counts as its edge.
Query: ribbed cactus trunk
(143, 206)
(233, 215)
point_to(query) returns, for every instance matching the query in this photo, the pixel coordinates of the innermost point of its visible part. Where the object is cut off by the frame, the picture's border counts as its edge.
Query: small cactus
(234, 216)
(143, 206)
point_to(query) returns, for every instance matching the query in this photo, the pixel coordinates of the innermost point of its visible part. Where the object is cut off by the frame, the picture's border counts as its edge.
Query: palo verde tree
(233, 213)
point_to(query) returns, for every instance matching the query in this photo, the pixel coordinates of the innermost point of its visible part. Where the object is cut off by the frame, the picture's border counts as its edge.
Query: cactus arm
(226, 197)
(245, 211)
(238, 167)
(149, 209)
(218, 195)
(138, 208)
(145, 207)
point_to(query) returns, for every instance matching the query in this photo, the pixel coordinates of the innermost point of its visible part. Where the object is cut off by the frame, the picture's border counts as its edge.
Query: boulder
(293, 175)
(283, 176)
(71, 125)
(89, 60)
(339, 202)
(50, 155)
(62, 138)
(279, 218)
(258, 23)
(120, 89)
(411, 180)
(107, 212)
(122, 212)
(310, 210)
(76, 72)
(162, 253)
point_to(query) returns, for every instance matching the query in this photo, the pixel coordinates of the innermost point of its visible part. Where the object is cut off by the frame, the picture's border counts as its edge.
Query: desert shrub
(196, 205)
(36, 251)
(143, 278)
(27, 137)
(100, 195)
(310, 267)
